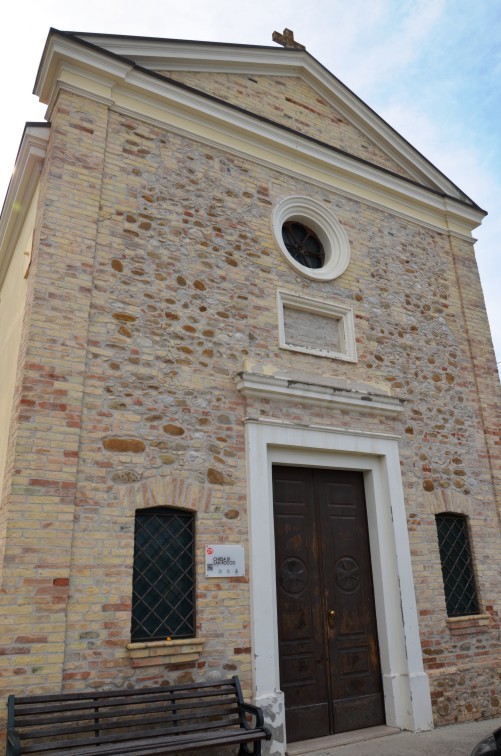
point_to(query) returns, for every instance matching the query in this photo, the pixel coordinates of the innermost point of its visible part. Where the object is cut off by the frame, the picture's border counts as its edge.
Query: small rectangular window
(163, 583)
(457, 565)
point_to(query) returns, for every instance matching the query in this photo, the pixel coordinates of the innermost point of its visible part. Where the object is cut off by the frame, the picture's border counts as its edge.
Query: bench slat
(88, 704)
(170, 689)
(164, 745)
(133, 724)
(48, 718)
(147, 736)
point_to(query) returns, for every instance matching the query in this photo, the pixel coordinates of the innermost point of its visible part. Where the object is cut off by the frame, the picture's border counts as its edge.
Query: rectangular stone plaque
(312, 330)
(314, 326)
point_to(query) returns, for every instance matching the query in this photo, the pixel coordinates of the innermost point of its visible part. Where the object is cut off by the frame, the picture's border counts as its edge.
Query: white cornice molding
(191, 55)
(21, 189)
(259, 386)
(242, 132)
(180, 55)
(137, 92)
(273, 422)
(61, 51)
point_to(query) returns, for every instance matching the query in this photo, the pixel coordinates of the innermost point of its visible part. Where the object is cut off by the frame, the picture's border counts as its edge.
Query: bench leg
(497, 740)
(245, 750)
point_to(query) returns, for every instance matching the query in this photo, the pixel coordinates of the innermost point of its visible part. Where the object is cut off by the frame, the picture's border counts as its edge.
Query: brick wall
(155, 279)
(41, 471)
(289, 101)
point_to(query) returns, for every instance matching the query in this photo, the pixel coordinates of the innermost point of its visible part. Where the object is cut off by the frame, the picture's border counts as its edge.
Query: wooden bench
(141, 722)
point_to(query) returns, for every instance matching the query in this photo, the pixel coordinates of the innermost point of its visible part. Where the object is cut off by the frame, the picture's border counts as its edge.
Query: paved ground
(455, 740)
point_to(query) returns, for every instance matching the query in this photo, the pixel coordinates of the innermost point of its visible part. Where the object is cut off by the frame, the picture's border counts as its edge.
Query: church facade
(249, 407)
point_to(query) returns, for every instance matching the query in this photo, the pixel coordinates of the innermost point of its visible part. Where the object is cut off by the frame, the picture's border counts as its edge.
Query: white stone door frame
(405, 684)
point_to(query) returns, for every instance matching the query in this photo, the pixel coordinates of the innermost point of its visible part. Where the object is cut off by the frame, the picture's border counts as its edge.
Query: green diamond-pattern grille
(457, 567)
(163, 578)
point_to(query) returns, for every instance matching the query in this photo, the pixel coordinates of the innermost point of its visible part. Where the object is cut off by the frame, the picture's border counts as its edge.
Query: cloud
(378, 50)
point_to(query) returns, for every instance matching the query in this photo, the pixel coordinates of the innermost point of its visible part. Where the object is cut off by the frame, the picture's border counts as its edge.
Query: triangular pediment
(277, 105)
(290, 88)
(292, 103)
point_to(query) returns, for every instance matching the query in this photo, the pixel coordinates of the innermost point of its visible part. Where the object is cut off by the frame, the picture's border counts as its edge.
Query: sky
(430, 68)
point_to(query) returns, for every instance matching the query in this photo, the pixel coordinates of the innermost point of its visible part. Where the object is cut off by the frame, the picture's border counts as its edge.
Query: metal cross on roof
(287, 39)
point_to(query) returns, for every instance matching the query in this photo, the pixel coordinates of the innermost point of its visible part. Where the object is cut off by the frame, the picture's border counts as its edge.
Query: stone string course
(154, 279)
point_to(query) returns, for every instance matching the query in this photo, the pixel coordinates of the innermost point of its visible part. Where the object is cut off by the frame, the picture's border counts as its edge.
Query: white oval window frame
(328, 229)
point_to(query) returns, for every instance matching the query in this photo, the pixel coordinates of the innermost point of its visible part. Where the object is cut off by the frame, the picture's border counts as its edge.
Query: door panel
(329, 663)
(303, 674)
(355, 676)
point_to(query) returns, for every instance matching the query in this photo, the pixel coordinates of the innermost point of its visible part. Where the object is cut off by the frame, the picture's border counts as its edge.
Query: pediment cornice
(181, 55)
(79, 64)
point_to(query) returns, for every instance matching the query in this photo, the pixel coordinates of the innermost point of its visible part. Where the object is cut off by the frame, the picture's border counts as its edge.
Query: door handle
(331, 618)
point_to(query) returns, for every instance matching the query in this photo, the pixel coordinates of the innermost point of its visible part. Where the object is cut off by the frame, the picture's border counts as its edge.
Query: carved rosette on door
(293, 575)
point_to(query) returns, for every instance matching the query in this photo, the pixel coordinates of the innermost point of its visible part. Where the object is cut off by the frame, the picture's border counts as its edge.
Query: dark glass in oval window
(303, 245)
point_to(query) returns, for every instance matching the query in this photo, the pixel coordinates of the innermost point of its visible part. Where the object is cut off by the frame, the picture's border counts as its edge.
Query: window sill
(469, 624)
(150, 653)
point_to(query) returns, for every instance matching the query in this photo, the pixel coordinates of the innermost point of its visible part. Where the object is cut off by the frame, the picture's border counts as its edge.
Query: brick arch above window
(169, 491)
(449, 501)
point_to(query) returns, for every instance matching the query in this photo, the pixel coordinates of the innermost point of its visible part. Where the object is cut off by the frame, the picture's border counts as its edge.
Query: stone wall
(154, 282)
(289, 101)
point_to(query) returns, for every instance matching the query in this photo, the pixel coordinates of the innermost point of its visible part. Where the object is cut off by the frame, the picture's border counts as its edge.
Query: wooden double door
(329, 658)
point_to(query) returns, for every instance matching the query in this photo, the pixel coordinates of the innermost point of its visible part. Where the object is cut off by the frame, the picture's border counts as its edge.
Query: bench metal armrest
(256, 712)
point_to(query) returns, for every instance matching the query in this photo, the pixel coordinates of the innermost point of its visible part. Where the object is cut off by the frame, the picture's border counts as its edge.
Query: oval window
(303, 244)
(311, 239)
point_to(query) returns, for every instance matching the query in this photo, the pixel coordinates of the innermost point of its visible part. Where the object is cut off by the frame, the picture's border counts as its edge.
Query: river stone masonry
(153, 286)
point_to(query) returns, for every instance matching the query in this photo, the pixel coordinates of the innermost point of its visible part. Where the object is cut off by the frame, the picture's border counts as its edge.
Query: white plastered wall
(12, 306)
(405, 684)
